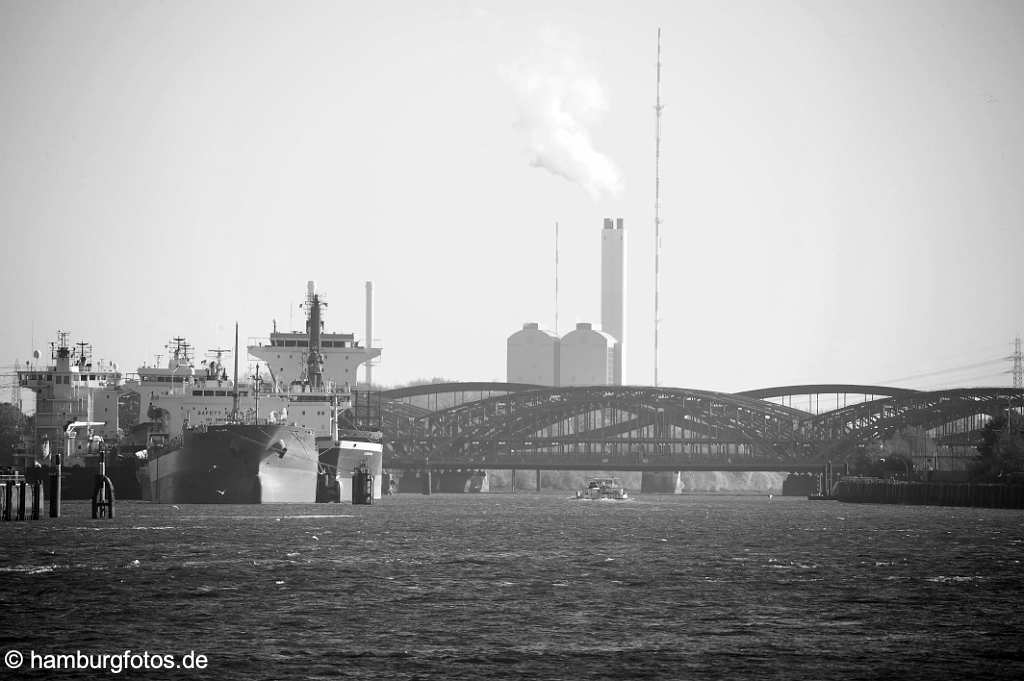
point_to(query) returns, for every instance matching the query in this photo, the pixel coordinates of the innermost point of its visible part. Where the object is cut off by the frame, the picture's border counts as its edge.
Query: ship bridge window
(302, 344)
(221, 393)
(328, 344)
(49, 377)
(92, 377)
(289, 344)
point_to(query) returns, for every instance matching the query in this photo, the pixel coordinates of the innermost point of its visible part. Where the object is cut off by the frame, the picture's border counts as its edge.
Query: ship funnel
(310, 288)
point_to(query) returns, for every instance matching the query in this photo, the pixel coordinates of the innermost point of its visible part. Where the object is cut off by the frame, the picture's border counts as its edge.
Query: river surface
(530, 586)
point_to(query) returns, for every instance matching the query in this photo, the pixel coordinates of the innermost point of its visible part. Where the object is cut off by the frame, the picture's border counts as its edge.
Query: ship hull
(236, 464)
(79, 482)
(346, 456)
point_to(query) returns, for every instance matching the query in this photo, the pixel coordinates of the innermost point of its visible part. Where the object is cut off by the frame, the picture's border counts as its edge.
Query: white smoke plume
(558, 99)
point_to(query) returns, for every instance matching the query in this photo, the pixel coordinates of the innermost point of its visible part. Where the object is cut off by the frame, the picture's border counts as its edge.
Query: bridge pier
(478, 483)
(661, 482)
(455, 481)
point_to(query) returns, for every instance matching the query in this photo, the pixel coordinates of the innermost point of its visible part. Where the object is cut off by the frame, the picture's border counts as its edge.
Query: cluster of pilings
(880, 491)
(20, 498)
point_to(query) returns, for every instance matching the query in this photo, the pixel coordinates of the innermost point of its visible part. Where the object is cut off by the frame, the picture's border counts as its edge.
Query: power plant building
(587, 357)
(533, 355)
(584, 356)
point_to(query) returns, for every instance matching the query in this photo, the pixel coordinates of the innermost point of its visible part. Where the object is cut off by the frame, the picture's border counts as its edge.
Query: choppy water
(532, 586)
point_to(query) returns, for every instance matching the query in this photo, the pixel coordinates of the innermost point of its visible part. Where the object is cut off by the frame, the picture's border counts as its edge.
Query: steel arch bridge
(504, 425)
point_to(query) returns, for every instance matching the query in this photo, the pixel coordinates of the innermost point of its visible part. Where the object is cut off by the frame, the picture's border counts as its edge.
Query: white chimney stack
(368, 341)
(613, 289)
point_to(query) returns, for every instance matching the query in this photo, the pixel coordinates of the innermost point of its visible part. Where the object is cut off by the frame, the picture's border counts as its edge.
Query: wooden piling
(37, 493)
(21, 499)
(55, 491)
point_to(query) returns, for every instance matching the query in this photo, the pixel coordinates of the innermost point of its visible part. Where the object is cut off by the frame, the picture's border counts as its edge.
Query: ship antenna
(234, 393)
(256, 392)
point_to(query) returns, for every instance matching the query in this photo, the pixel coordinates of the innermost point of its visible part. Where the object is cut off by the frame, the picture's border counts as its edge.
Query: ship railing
(360, 434)
(329, 341)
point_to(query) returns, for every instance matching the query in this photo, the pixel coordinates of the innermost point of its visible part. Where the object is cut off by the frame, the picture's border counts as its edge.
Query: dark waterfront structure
(470, 426)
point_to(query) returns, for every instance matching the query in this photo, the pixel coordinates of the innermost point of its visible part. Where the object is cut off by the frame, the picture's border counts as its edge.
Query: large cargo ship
(223, 440)
(75, 406)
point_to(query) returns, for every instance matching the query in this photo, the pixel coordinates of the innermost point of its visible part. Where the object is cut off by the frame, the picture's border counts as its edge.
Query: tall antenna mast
(657, 208)
(556, 277)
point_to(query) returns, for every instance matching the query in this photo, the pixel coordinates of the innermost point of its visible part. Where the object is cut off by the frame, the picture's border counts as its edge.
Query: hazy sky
(841, 181)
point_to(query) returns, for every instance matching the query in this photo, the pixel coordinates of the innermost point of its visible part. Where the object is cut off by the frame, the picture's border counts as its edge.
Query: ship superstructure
(285, 354)
(76, 417)
(72, 388)
(180, 394)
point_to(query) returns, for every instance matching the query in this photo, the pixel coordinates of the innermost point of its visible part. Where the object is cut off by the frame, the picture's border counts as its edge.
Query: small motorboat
(603, 488)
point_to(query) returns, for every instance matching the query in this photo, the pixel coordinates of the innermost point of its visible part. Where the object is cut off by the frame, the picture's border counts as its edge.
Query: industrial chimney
(613, 289)
(369, 331)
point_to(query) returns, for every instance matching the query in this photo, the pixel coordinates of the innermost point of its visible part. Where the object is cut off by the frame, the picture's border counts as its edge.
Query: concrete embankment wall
(879, 491)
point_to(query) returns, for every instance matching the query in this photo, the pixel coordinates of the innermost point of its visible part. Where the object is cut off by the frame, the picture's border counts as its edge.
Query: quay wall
(881, 491)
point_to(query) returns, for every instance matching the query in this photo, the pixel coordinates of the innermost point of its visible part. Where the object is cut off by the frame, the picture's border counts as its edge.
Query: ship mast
(234, 378)
(84, 352)
(256, 392)
(315, 359)
(60, 349)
